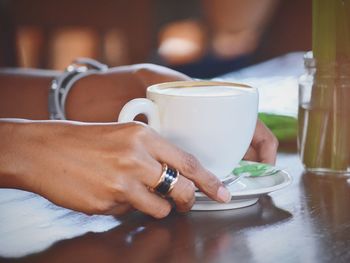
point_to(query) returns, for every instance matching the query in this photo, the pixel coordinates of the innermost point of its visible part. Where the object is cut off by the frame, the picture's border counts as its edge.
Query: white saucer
(245, 192)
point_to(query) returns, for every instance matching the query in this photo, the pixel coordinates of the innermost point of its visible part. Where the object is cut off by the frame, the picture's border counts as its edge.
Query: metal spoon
(233, 178)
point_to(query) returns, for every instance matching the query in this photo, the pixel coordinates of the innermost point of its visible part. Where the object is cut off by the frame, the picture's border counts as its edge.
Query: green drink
(324, 91)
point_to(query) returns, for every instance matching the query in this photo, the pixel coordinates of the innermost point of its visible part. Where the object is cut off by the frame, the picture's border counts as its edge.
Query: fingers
(145, 201)
(153, 150)
(265, 144)
(183, 194)
(183, 191)
(120, 209)
(190, 168)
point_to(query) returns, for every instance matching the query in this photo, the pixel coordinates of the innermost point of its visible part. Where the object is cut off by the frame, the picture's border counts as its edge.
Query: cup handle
(141, 106)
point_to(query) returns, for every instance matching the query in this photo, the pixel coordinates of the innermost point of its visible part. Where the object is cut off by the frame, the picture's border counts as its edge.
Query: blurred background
(202, 38)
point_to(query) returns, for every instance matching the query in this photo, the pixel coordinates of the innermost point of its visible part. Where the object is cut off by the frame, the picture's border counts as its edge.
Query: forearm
(24, 93)
(97, 97)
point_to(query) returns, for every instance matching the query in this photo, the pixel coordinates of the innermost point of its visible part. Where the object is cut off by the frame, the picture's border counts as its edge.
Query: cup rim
(196, 83)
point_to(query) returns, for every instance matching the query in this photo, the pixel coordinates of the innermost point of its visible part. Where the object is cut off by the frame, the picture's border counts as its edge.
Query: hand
(264, 145)
(100, 97)
(103, 168)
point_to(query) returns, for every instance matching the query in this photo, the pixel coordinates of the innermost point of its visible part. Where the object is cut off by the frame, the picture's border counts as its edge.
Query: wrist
(100, 97)
(19, 154)
(89, 98)
(10, 157)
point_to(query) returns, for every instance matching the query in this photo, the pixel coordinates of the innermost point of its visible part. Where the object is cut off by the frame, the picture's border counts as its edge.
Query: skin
(98, 166)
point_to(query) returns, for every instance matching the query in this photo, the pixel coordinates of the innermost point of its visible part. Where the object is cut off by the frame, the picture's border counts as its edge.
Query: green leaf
(285, 128)
(254, 169)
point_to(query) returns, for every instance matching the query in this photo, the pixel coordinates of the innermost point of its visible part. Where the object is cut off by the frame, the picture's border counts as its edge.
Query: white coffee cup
(214, 121)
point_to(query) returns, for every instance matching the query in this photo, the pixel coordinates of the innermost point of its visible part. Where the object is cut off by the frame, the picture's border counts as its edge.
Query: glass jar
(324, 116)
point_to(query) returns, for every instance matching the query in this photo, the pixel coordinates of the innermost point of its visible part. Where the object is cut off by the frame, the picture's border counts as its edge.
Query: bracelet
(61, 85)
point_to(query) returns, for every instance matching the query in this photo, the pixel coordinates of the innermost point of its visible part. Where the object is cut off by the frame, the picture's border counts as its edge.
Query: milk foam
(204, 91)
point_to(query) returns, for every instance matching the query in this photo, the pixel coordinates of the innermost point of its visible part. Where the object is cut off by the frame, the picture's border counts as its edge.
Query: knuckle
(137, 130)
(144, 67)
(148, 69)
(144, 71)
(130, 160)
(127, 162)
(162, 211)
(102, 207)
(118, 190)
(191, 164)
(187, 193)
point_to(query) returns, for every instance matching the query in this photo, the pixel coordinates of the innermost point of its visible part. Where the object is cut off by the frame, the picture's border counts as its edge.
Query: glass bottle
(324, 116)
(324, 91)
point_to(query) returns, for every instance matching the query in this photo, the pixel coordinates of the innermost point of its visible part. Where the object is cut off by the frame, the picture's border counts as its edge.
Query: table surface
(309, 221)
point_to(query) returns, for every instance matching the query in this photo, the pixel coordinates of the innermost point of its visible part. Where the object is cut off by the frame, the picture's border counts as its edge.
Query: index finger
(189, 167)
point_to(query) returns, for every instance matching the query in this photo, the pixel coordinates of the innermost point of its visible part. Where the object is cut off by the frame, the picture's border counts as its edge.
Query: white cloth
(276, 81)
(26, 223)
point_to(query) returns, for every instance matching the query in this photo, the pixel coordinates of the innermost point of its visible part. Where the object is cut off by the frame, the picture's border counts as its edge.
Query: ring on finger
(167, 180)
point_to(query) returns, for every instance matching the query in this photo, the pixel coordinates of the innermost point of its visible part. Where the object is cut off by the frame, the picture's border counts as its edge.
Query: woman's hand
(101, 168)
(100, 97)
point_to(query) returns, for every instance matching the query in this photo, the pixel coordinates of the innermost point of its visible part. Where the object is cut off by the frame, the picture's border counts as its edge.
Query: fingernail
(223, 194)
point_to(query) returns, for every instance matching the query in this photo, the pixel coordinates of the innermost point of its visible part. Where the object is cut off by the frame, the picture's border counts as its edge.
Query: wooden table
(307, 222)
